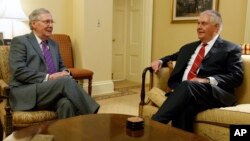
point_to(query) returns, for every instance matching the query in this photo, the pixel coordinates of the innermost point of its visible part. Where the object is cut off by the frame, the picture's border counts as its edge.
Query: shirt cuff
(213, 81)
(161, 61)
(68, 71)
(46, 78)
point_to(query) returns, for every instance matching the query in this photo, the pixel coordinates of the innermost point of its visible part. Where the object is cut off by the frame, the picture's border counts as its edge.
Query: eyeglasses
(47, 22)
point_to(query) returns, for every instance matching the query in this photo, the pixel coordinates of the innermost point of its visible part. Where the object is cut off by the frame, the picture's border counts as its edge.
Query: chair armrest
(150, 70)
(160, 73)
(4, 90)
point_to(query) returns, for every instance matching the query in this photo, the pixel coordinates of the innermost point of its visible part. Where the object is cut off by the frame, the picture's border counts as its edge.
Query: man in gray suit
(40, 85)
(211, 84)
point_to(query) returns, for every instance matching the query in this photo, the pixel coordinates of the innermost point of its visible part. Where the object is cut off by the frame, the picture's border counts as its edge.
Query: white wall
(92, 26)
(92, 44)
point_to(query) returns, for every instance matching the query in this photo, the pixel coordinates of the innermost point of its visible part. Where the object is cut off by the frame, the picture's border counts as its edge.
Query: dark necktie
(197, 62)
(48, 58)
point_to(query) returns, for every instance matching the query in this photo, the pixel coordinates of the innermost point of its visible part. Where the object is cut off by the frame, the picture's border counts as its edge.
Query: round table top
(107, 127)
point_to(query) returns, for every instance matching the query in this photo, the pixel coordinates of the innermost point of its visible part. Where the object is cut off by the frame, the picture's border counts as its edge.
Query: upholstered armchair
(79, 74)
(213, 123)
(12, 120)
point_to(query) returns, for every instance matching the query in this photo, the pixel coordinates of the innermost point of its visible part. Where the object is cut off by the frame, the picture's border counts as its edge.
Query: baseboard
(100, 87)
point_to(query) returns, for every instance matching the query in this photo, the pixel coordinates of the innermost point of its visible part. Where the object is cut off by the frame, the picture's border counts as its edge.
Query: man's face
(205, 29)
(44, 26)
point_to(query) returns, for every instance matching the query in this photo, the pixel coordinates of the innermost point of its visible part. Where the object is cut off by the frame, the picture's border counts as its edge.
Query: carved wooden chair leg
(90, 86)
(8, 118)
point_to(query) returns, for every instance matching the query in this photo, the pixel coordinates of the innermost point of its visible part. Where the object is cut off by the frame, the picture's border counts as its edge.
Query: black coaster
(135, 123)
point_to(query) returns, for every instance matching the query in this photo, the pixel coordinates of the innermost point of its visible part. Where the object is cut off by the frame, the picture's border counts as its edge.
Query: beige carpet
(124, 101)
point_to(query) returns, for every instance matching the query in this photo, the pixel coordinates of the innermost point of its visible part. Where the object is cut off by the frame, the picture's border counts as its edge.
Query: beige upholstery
(212, 123)
(12, 120)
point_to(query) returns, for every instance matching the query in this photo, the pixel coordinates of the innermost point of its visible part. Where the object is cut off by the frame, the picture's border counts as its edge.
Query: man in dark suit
(40, 85)
(211, 84)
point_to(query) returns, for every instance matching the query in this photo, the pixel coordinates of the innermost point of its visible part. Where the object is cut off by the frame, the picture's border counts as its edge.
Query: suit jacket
(28, 68)
(223, 62)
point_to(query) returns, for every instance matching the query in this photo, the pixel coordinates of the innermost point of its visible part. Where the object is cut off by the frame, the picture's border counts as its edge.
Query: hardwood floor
(126, 103)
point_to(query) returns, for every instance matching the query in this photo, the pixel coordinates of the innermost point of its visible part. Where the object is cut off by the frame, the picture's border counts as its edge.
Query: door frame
(147, 33)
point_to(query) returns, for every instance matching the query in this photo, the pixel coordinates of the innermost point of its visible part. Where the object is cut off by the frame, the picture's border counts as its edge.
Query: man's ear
(217, 26)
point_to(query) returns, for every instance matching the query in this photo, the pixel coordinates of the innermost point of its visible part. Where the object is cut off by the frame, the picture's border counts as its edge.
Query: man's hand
(58, 75)
(201, 80)
(156, 65)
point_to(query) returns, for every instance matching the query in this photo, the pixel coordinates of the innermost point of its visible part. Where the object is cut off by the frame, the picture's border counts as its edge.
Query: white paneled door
(134, 46)
(128, 36)
(119, 39)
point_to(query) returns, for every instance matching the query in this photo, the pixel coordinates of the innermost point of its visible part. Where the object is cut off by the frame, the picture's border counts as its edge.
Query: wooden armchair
(12, 120)
(66, 51)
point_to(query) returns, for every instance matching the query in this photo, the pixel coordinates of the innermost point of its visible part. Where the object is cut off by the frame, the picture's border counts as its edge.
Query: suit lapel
(37, 48)
(183, 58)
(185, 55)
(35, 45)
(216, 45)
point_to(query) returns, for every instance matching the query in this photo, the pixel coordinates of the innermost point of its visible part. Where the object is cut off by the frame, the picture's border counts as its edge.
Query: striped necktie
(48, 58)
(197, 62)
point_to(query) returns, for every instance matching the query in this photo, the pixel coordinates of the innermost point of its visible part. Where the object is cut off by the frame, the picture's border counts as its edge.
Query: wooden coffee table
(106, 127)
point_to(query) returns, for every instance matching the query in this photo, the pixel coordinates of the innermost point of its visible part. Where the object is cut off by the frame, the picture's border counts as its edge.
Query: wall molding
(100, 87)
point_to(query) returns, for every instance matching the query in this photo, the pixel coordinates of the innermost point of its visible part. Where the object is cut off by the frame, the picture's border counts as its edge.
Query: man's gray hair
(215, 17)
(35, 15)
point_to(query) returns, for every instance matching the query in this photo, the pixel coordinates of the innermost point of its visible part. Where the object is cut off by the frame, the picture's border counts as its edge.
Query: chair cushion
(212, 132)
(239, 114)
(26, 118)
(149, 110)
(245, 108)
(157, 96)
(79, 73)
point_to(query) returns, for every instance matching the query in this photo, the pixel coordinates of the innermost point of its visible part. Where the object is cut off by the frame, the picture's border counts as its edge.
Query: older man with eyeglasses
(40, 81)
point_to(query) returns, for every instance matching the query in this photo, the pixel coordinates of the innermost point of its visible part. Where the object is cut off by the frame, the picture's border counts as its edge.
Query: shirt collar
(211, 42)
(38, 39)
